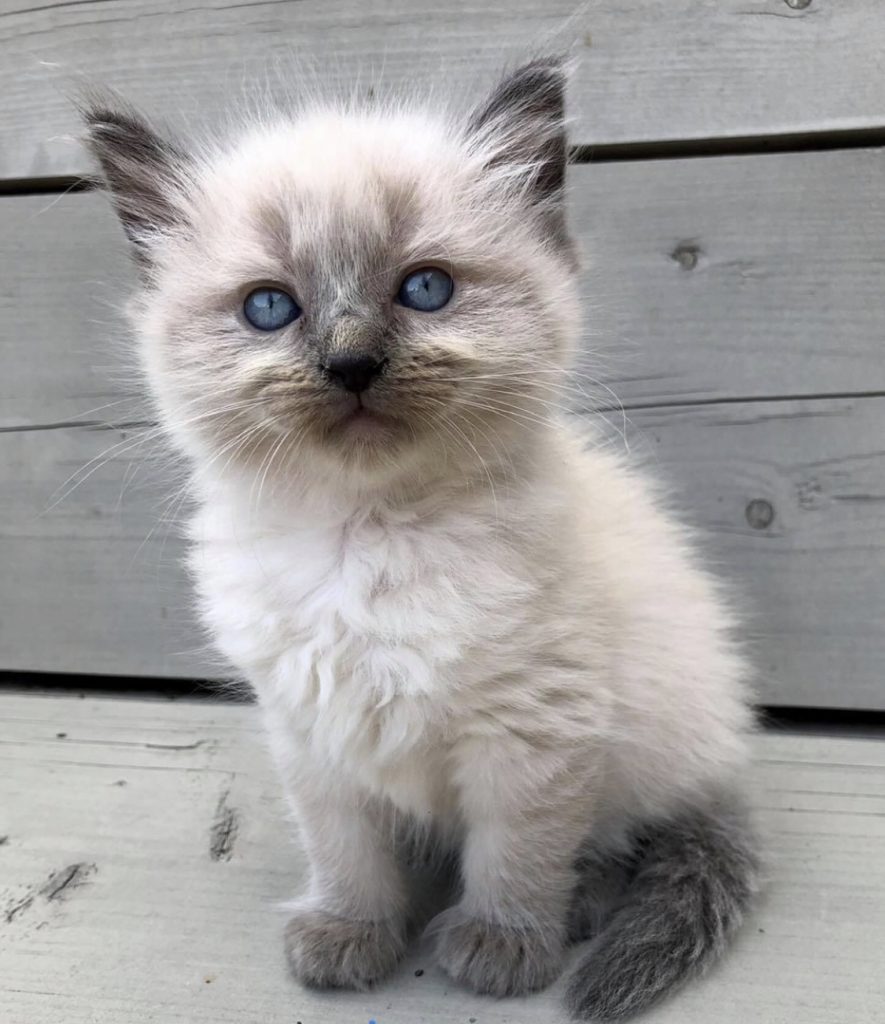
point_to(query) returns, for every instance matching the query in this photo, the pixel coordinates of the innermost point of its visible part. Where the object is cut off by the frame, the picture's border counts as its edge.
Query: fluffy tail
(695, 878)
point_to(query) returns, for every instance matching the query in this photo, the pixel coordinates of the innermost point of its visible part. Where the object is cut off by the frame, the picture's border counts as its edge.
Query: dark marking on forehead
(274, 220)
(402, 206)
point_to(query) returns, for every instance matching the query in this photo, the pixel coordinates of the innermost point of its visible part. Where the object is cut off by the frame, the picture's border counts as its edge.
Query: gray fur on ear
(523, 123)
(144, 172)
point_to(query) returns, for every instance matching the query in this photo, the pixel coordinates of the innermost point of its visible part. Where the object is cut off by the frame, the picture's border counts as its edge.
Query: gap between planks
(625, 407)
(616, 152)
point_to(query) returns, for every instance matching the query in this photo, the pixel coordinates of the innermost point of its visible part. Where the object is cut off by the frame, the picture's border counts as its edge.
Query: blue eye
(270, 309)
(427, 289)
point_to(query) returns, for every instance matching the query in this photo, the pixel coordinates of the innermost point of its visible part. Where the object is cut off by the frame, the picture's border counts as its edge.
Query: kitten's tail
(695, 878)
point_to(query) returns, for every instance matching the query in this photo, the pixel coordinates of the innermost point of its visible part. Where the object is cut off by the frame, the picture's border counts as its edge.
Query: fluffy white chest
(360, 634)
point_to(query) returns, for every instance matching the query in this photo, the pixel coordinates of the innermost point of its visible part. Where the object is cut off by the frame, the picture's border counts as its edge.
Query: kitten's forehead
(349, 192)
(344, 159)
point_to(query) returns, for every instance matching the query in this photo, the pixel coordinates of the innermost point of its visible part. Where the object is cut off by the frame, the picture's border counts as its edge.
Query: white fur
(389, 642)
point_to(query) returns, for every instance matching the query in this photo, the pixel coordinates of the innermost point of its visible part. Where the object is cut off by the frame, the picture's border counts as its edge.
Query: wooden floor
(144, 853)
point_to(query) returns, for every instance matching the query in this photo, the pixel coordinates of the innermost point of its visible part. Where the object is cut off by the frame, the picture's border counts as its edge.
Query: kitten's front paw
(495, 960)
(326, 951)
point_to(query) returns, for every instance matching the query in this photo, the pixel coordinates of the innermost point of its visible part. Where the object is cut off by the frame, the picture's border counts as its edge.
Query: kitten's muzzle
(353, 372)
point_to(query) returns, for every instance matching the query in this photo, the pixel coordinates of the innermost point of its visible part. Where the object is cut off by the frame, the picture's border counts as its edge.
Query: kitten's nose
(353, 372)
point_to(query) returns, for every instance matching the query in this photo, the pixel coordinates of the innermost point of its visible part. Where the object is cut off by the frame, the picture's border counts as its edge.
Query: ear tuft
(144, 172)
(522, 124)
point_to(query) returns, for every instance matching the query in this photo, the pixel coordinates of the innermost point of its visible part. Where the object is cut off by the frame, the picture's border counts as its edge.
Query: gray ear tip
(100, 123)
(551, 70)
(103, 117)
(555, 64)
(96, 103)
(535, 88)
(115, 130)
(112, 122)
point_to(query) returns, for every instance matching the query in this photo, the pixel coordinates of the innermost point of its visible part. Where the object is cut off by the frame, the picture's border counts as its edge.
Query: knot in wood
(686, 254)
(759, 513)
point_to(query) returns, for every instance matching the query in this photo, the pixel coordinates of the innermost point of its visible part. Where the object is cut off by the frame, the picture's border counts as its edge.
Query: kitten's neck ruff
(307, 491)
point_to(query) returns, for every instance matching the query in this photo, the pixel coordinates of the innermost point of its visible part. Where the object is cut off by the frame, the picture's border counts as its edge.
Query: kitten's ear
(522, 124)
(145, 173)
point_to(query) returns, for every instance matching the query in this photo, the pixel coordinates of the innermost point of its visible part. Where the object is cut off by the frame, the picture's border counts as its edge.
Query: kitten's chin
(359, 434)
(365, 426)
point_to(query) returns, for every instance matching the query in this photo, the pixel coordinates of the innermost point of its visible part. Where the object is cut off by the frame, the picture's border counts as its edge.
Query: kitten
(461, 619)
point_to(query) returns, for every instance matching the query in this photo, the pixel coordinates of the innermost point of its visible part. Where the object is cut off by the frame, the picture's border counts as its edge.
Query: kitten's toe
(326, 951)
(494, 960)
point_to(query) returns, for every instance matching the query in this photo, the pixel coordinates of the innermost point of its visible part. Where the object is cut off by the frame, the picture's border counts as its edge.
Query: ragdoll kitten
(461, 621)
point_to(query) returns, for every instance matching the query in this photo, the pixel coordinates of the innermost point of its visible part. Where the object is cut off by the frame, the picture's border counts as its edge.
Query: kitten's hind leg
(526, 812)
(602, 881)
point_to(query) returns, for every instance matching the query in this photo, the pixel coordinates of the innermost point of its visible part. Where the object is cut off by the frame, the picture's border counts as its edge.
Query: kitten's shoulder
(608, 468)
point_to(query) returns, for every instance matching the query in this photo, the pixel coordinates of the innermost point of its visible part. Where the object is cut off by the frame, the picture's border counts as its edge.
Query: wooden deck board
(648, 70)
(153, 928)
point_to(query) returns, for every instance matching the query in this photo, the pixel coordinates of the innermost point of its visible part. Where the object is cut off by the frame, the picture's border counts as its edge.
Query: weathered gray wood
(649, 69)
(734, 277)
(92, 585)
(169, 826)
(64, 354)
(708, 279)
(91, 577)
(790, 498)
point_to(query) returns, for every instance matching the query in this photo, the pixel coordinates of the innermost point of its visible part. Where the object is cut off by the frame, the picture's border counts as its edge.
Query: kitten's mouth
(360, 420)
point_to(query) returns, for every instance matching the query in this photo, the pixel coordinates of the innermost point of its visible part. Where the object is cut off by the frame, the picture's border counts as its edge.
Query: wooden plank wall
(733, 222)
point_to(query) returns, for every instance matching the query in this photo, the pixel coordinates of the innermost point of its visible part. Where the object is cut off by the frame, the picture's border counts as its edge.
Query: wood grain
(91, 558)
(152, 926)
(649, 70)
(708, 281)
(754, 276)
(790, 500)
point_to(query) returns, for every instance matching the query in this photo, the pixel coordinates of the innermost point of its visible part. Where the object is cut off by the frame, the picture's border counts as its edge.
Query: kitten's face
(282, 317)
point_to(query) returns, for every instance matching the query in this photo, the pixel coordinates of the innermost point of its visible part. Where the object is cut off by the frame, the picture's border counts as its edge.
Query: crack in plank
(54, 890)
(73, 876)
(178, 746)
(224, 829)
(14, 909)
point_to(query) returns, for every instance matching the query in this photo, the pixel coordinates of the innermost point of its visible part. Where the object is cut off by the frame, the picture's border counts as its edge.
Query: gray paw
(494, 960)
(325, 951)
